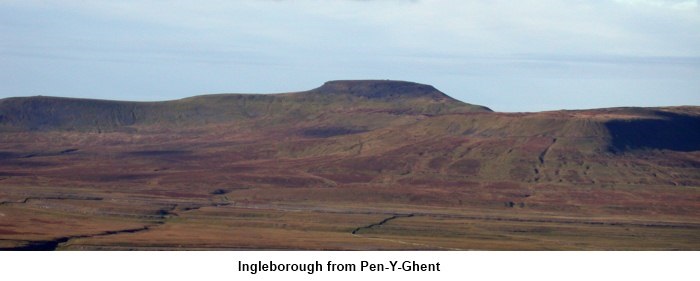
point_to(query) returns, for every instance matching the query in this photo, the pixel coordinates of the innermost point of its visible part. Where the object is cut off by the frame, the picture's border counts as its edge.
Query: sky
(511, 56)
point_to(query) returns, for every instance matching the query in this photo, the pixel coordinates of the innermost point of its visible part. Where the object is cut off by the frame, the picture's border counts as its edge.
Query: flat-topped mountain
(391, 97)
(381, 89)
(369, 164)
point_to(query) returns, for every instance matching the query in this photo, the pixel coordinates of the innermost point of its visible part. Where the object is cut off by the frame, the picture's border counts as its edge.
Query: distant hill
(351, 106)
(390, 97)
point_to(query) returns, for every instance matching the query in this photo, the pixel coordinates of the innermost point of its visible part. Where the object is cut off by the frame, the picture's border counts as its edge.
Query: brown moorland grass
(345, 167)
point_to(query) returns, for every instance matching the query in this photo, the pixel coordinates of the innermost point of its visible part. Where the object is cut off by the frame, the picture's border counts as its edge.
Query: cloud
(673, 4)
(629, 27)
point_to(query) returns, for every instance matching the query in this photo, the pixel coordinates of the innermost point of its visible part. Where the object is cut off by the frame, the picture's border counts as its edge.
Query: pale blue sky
(522, 55)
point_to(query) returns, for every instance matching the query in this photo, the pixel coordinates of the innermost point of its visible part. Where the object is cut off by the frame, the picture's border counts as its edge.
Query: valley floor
(55, 218)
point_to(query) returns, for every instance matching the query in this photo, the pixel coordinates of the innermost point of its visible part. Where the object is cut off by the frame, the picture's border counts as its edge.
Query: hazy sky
(523, 55)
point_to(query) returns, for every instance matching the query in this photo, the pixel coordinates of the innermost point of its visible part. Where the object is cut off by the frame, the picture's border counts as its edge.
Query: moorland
(351, 165)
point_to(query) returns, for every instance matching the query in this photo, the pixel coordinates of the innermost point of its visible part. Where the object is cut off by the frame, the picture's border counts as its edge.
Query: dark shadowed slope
(665, 130)
(53, 113)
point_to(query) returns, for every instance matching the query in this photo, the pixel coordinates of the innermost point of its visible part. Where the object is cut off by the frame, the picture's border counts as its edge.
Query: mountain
(335, 97)
(371, 164)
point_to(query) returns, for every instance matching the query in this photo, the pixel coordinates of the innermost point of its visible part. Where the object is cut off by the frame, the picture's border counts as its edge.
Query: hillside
(318, 169)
